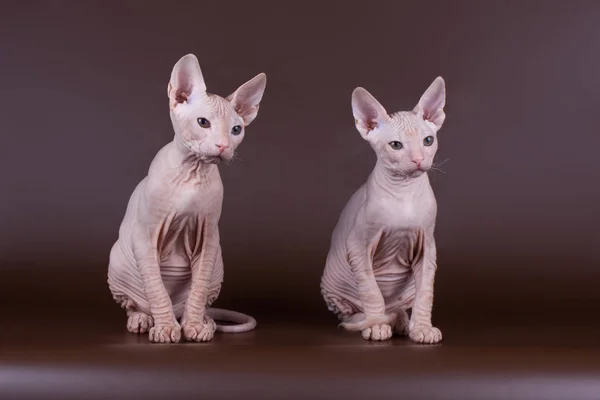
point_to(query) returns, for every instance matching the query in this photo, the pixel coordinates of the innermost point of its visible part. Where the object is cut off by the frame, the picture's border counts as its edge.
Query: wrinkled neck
(393, 182)
(188, 164)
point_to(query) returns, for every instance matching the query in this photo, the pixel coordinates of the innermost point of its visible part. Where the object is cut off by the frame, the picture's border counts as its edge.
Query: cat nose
(417, 160)
(221, 147)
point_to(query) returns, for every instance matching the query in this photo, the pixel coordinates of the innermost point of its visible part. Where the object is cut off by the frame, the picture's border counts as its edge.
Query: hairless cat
(382, 259)
(166, 264)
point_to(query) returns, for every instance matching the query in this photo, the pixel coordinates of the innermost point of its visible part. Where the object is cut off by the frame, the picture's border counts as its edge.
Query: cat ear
(431, 105)
(186, 80)
(368, 112)
(246, 99)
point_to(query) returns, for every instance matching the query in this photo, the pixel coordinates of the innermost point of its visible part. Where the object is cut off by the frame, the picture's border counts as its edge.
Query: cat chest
(397, 251)
(184, 238)
(397, 216)
(393, 261)
(190, 200)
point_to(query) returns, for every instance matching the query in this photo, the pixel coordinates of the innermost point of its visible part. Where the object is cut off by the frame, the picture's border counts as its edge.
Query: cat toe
(425, 334)
(199, 331)
(139, 322)
(377, 332)
(168, 333)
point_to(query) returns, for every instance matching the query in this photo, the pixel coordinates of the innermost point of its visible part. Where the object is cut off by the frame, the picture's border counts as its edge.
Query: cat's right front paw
(377, 332)
(165, 333)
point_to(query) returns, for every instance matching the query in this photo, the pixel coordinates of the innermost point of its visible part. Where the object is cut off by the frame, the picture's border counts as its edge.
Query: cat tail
(243, 322)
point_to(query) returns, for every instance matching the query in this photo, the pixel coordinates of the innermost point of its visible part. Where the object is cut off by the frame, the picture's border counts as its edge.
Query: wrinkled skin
(382, 259)
(166, 267)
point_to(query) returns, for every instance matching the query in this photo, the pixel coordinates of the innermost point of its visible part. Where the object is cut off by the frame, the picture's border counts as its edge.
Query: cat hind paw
(139, 322)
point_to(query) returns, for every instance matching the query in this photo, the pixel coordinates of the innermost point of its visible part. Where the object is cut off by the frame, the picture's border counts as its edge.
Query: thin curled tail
(243, 322)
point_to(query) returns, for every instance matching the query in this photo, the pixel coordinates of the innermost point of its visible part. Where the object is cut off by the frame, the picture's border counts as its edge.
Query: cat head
(405, 142)
(210, 126)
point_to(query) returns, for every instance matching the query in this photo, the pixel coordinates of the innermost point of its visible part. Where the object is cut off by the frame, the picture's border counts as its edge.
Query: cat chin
(413, 173)
(417, 172)
(212, 160)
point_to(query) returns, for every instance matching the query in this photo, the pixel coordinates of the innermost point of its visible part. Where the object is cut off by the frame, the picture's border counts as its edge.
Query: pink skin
(166, 268)
(382, 259)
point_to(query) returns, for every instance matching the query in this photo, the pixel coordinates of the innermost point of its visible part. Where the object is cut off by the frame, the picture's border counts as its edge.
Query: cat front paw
(199, 331)
(425, 334)
(377, 332)
(360, 322)
(165, 333)
(139, 322)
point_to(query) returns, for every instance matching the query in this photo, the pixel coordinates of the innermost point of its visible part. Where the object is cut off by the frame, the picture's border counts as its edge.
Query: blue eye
(395, 145)
(428, 141)
(236, 130)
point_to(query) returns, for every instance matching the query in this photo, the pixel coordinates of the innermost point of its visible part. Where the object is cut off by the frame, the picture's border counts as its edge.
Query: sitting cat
(382, 259)
(166, 264)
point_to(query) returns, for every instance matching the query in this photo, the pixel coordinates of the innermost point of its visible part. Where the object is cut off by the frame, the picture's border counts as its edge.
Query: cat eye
(203, 122)
(395, 145)
(236, 130)
(428, 141)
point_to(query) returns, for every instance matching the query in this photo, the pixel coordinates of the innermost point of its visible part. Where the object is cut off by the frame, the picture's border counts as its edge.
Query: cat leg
(166, 329)
(376, 324)
(196, 324)
(122, 282)
(420, 327)
(216, 281)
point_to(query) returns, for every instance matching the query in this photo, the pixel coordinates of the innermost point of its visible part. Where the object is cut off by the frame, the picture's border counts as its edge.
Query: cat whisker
(435, 167)
(237, 157)
(441, 163)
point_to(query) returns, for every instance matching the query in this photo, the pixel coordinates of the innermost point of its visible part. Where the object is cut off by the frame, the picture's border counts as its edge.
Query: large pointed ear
(431, 105)
(368, 112)
(186, 80)
(246, 99)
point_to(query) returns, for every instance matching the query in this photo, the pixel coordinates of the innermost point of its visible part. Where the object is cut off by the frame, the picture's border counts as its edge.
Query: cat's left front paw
(199, 331)
(425, 334)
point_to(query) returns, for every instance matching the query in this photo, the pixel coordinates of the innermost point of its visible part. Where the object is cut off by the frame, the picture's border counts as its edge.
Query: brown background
(83, 110)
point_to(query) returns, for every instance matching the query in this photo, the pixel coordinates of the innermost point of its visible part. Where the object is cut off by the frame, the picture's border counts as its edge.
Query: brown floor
(63, 337)
(82, 350)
